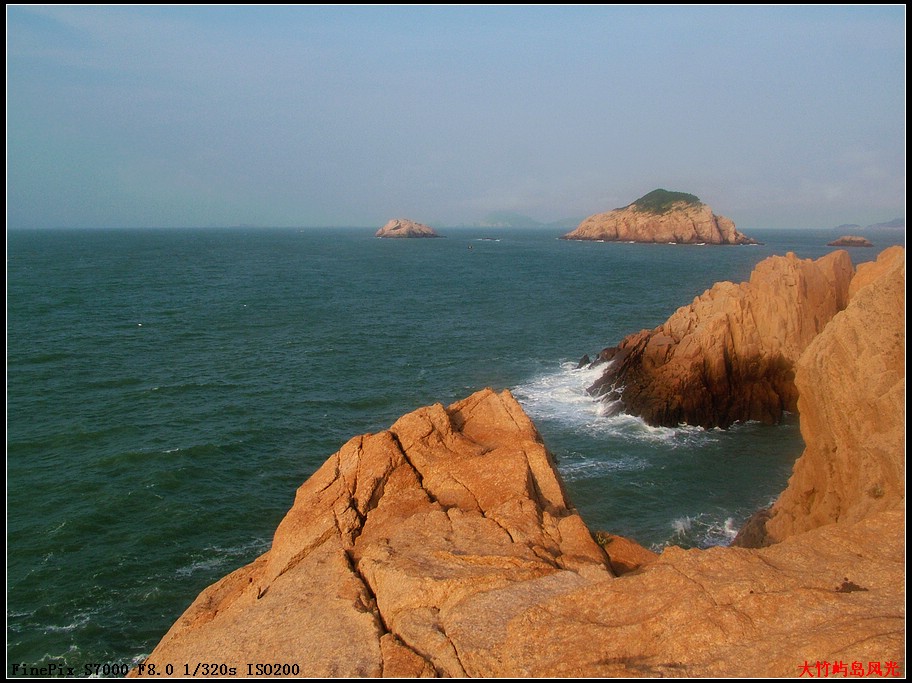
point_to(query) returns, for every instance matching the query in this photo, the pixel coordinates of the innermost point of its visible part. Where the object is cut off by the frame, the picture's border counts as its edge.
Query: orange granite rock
(446, 546)
(680, 219)
(388, 539)
(852, 388)
(624, 555)
(729, 356)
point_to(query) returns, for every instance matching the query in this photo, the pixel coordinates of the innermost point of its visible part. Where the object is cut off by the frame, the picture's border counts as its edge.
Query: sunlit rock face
(729, 356)
(852, 386)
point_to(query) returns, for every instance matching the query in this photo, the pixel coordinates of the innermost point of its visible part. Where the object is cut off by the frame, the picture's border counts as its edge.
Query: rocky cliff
(664, 217)
(446, 546)
(729, 356)
(402, 227)
(853, 464)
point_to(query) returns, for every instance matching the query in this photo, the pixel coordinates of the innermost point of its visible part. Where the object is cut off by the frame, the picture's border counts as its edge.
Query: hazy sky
(295, 116)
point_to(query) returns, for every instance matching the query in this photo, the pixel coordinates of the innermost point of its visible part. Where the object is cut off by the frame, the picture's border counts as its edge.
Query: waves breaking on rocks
(561, 396)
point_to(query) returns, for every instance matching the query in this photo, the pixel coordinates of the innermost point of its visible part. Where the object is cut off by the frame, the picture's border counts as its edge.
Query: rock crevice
(446, 546)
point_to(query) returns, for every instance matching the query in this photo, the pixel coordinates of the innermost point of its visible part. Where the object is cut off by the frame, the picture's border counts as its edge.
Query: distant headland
(895, 224)
(661, 216)
(402, 227)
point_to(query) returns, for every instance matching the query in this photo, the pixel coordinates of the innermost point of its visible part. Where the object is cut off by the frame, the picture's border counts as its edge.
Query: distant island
(850, 241)
(402, 227)
(895, 224)
(511, 219)
(661, 216)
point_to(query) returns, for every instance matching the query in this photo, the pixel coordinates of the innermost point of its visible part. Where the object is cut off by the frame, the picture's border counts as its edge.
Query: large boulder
(445, 547)
(852, 387)
(390, 543)
(729, 356)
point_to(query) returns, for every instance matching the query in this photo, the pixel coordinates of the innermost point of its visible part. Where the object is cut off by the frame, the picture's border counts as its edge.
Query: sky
(142, 116)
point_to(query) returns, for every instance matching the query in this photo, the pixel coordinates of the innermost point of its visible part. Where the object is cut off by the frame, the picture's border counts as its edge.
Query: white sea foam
(703, 530)
(682, 525)
(561, 396)
(80, 621)
(575, 467)
(218, 558)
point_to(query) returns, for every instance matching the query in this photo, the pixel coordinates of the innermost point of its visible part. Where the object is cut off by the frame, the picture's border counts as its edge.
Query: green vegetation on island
(661, 201)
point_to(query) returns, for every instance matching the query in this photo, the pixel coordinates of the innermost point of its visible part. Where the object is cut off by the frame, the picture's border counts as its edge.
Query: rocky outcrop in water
(729, 356)
(850, 241)
(445, 546)
(664, 217)
(402, 227)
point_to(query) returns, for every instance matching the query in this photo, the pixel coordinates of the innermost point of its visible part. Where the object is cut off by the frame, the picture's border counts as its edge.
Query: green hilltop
(660, 201)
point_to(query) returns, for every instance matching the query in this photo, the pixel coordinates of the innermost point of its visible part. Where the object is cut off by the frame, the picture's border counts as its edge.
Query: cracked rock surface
(398, 547)
(446, 546)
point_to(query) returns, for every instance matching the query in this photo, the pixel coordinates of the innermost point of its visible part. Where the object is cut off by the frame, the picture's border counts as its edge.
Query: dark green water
(167, 391)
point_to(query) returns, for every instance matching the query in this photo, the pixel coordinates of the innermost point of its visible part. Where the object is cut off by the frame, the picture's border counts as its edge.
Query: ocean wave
(704, 530)
(576, 467)
(215, 559)
(80, 621)
(561, 396)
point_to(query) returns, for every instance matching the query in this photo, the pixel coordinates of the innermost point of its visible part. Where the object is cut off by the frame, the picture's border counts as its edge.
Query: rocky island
(662, 217)
(402, 227)
(850, 241)
(446, 545)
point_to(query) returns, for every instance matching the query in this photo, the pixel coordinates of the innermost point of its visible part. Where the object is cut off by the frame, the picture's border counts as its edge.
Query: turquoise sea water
(168, 390)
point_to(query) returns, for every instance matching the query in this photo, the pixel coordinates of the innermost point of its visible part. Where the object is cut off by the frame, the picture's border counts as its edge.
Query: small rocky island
(402, 227)
(850, 241)
(661, 217)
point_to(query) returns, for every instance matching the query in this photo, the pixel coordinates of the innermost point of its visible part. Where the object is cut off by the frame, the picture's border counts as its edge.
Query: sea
(169, 389)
